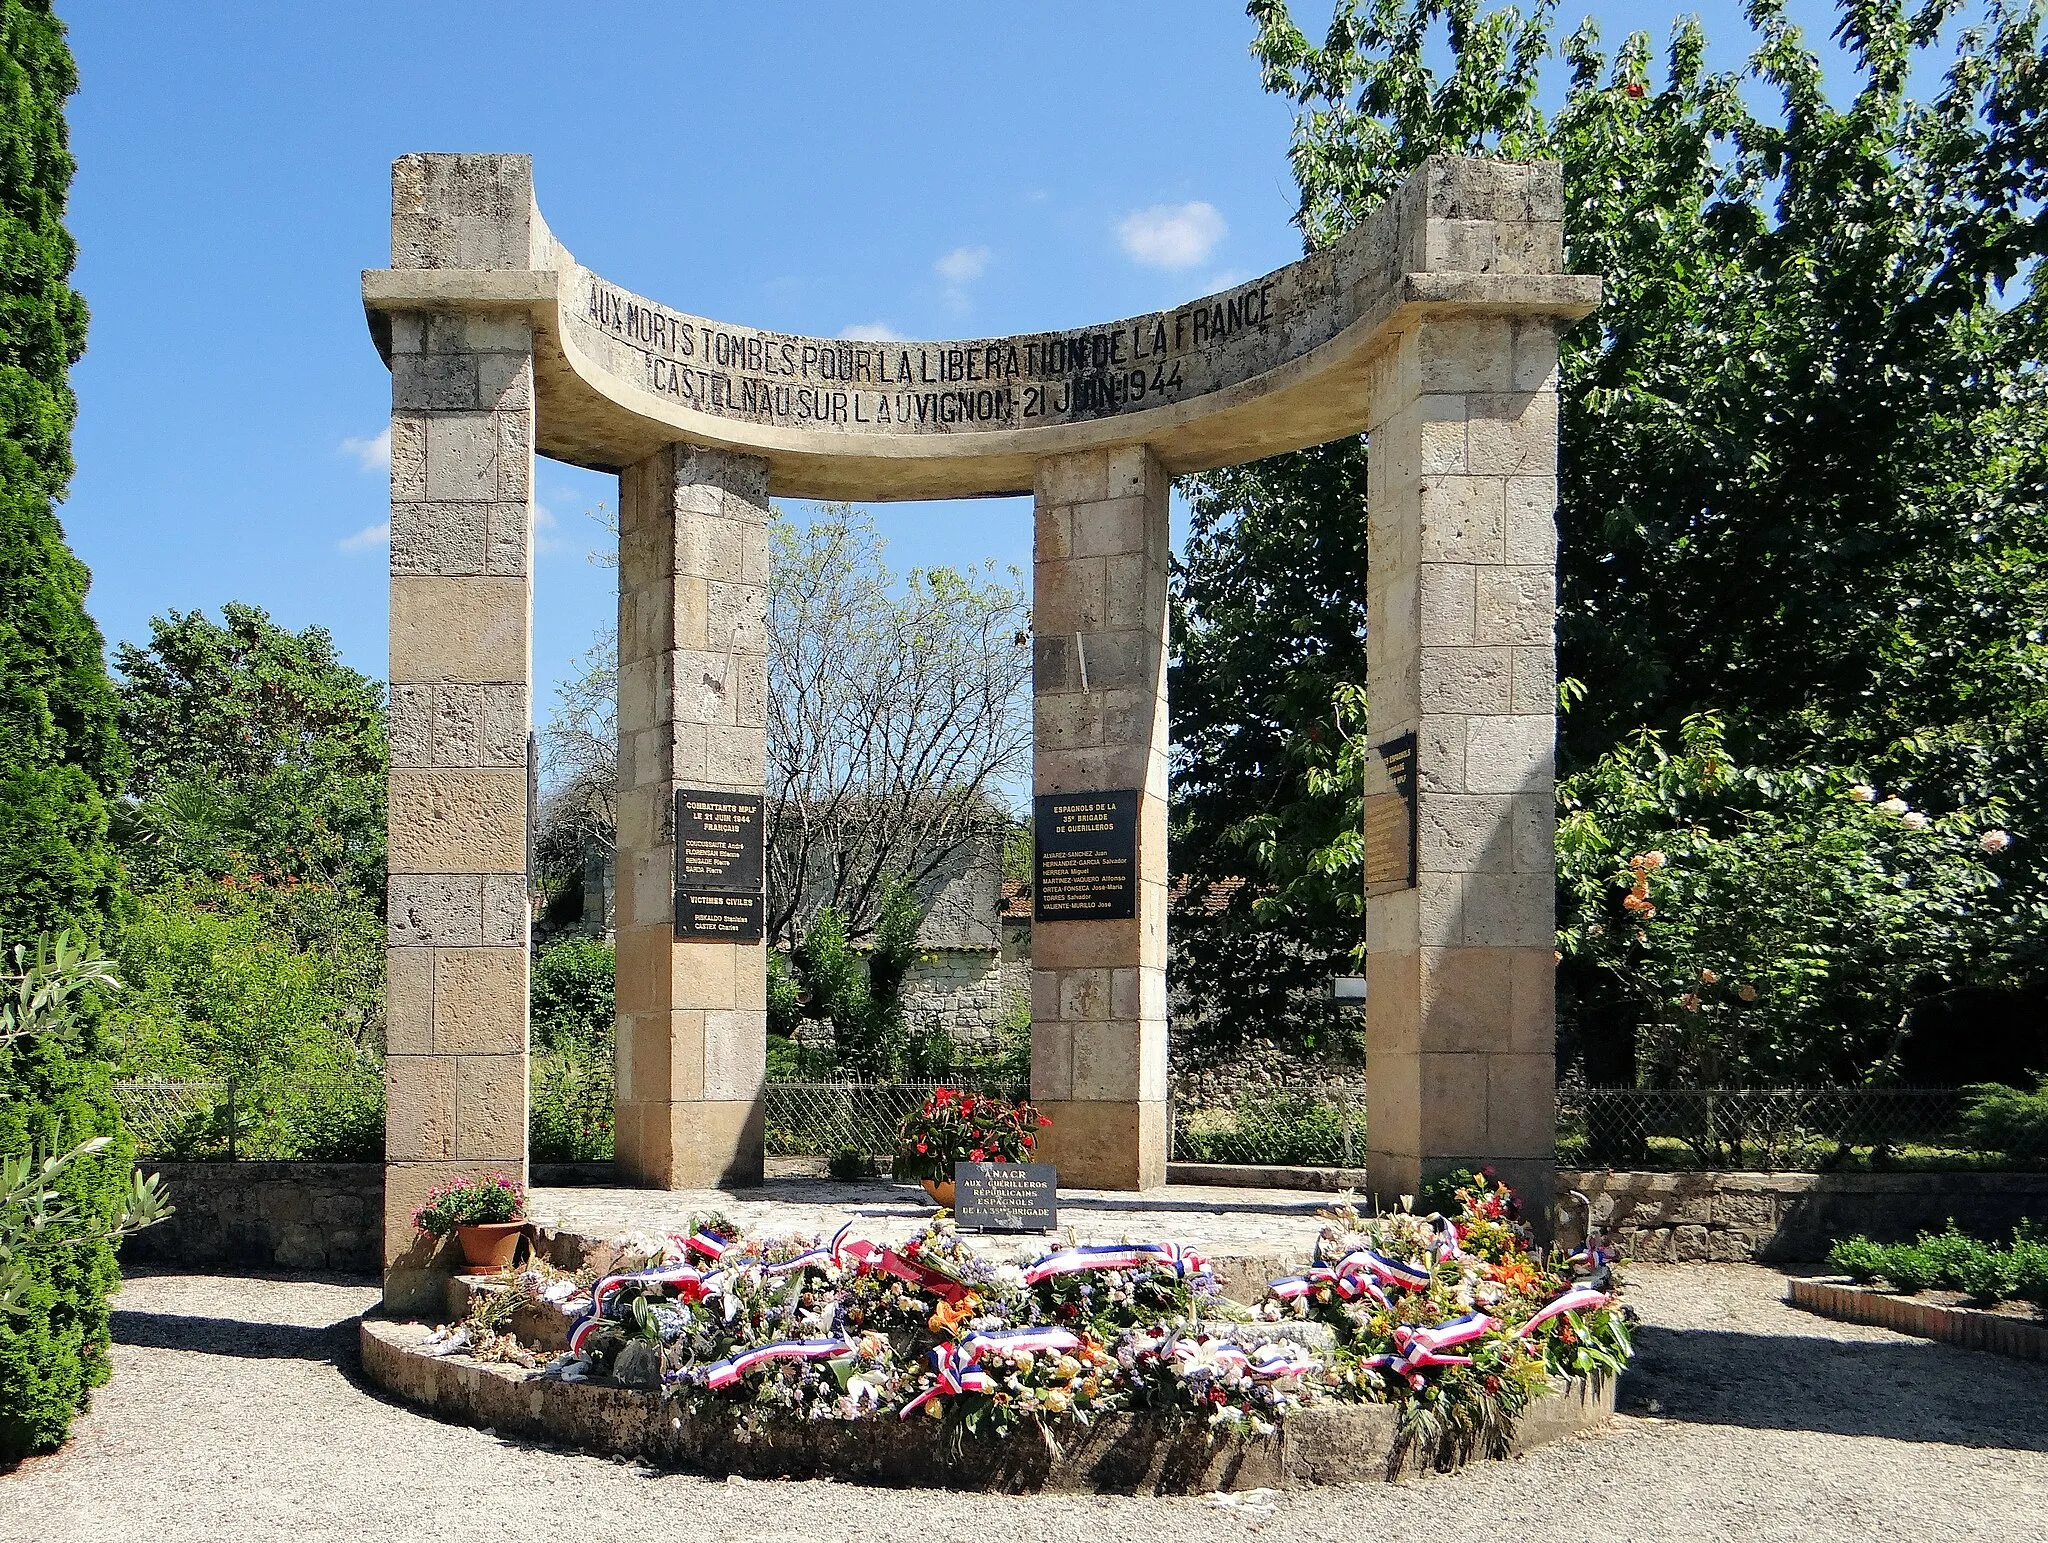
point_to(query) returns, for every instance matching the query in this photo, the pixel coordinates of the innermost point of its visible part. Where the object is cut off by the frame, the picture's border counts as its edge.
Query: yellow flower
(935, 1407)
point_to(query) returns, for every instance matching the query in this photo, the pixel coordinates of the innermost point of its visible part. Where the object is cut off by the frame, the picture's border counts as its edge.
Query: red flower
(1030, 1140)
(977, 1155)
(922, 1147)
(1043, 1122)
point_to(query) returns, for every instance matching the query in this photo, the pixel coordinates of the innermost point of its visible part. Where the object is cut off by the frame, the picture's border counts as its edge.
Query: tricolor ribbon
(1580, 1299)
(682, 1276)
(1348, 1279)
(723, 1374)
(707, 1243)
(1038, 1341)
(1395, 1272)
(956, 1372)
(1416, 1349)
(1118, 1256)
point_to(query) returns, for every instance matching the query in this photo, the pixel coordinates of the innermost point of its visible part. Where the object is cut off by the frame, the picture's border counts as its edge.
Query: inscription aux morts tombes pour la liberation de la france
(1432, 326)
(781, 378)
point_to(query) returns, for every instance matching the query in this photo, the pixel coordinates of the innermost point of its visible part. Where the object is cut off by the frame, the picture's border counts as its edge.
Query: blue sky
(932, 169)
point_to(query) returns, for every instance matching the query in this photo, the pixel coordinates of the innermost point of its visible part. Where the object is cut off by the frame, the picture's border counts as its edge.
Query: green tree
(255, 749)
(1802, 457)
(60, 755)
(1268, 625)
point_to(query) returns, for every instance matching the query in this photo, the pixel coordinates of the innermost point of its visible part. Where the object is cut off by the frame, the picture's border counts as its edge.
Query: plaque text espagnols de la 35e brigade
(1006, 1197)
(1390, 817)
(719, 896)
(1085, 847)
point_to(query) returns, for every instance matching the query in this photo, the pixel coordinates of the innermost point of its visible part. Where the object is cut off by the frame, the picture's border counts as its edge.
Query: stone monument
(1432, 327)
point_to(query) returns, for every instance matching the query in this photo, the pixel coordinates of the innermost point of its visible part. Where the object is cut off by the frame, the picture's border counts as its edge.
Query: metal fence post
(1344, 1102)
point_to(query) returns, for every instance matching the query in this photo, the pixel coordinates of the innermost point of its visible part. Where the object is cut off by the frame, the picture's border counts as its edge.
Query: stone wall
(1258, 1067)
(1783, 1217)
(296, 1216)
(965, 992)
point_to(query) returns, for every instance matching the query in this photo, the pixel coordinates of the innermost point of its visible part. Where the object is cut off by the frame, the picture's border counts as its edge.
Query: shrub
(573, 992)
(1949, 1254)
(1273, 1128)
(570, 1119)
(785, 996)
(1989, 1274)
(1859, 1259)
(67, 1192)
(1907, 1268)
(2030, 1271)
(2005, 1119)
(851, 1163)
(274, 988)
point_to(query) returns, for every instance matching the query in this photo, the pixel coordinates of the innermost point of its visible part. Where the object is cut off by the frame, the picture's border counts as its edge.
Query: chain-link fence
(1794, 1129)
(822, 1119)
(333, 1119)
(1320, 1127)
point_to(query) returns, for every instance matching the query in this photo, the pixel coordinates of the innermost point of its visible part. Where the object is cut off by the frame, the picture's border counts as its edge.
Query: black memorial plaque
(718, 866)
(1390, 820)
(1085, 849)
(1006, 1197)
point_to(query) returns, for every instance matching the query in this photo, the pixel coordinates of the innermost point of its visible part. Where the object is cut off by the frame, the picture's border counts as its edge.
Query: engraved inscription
(862, 386)
(1086, 856)
(1390, 820)
(1005, 1197)
(719, 842)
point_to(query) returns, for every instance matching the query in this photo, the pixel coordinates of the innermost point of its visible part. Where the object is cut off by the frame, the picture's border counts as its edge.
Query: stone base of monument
(1124, 1454)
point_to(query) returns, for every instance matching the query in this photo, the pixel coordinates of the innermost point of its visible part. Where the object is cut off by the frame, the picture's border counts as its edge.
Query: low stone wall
(1786, 1217)
(295, 1216)
(1125, 1453)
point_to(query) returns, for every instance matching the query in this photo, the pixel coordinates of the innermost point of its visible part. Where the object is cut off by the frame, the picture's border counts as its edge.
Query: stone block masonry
(462, 432)
(692, 1043)
(1460, 591)
(1098, 988)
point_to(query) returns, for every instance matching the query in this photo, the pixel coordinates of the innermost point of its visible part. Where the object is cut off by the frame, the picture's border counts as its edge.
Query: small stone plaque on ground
(1006, 1197)
(1086, 849)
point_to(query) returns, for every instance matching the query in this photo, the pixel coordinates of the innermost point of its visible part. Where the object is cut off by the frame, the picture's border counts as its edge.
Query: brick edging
(1965, 1326)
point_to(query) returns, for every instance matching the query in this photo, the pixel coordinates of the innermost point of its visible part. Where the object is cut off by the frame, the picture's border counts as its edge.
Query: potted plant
(487, 1216)
(953, 1126)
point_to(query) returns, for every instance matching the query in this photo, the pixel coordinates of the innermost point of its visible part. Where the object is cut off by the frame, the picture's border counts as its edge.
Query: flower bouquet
(953, 1126)
(1456, 1320)
(487, 1216)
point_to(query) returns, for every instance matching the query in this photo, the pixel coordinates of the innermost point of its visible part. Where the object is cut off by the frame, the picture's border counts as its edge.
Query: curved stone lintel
(1277, 363)
(1126, 1454)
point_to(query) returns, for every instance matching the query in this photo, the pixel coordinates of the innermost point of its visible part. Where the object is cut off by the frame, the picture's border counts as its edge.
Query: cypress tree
(60, 755)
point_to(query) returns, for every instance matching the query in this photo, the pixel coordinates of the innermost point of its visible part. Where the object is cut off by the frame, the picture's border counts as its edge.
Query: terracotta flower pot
(490, 1245)
(941, 1191)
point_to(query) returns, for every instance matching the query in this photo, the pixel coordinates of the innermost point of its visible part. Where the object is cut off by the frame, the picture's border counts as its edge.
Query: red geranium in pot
(954, 1126)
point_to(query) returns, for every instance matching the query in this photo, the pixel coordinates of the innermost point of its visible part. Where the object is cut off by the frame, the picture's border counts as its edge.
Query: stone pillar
(461, 602)
(693, 713)
(1461, 608)
(1098, 988)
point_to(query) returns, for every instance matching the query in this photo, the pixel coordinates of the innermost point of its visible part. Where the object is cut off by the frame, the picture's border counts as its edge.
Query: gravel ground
(235, 1413)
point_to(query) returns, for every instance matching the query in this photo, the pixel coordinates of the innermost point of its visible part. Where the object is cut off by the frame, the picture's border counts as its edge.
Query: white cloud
(373, 453)
(365, 539)
(1171, 235)
(962, 265)
(871, 332)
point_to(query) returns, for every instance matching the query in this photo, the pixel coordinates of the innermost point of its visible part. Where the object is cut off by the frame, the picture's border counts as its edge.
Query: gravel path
(233, 1415)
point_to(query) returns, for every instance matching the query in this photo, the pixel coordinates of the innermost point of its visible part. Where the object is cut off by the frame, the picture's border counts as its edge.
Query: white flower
(1913, 820)
(1862, 793)
(1994, 841)
(1894, 805)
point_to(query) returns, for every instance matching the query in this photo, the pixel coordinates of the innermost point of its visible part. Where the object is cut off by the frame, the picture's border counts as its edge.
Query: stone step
(540, 1326)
